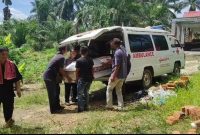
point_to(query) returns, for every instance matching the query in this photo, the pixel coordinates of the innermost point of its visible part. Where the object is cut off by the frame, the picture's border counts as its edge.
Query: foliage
(67, 9)
(192, 4)
(6, 10)
(42, 9)
(15, 53)
(35, 64)
(7, 2)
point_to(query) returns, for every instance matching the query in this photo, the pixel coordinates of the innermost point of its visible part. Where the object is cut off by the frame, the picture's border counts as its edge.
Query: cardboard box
(100, 68)
(71, 74)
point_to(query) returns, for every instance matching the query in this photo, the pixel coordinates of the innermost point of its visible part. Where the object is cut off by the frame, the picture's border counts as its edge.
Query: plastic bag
(160, 96)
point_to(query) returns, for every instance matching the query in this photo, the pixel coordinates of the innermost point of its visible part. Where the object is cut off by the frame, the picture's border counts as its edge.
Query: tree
(102, 13)
(6, 10)
(193, 4)
(67, 9)
(156, 12)
(42, 9)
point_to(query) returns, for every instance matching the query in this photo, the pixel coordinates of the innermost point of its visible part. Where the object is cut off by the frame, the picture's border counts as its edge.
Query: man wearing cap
(119, 74)
(53, 76)
(9, 76)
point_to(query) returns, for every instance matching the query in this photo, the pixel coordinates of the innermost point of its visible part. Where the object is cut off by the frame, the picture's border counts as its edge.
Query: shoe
(9, 124)
(67, 104)
(72, 103)
(61, 108)
(57, 111)
(119, 108)
(74, 100)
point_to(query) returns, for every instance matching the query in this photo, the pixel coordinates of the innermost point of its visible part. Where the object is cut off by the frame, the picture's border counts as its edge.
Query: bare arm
(18, 88)
(115, 73)
(65, 75)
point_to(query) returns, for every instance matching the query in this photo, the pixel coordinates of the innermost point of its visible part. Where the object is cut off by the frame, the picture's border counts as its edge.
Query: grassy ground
(32, 115)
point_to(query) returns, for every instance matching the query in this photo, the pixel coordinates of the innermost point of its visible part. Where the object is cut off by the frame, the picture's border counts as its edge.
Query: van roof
(93, 34)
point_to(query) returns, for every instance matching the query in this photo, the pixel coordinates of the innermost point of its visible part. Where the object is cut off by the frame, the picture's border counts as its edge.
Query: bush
(35, 64)
(14, 53)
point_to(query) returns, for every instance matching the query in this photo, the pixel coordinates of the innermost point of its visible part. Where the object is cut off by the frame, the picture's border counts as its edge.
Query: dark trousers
(83, 94)
(53, 90)
(70, 88)
(8, 107)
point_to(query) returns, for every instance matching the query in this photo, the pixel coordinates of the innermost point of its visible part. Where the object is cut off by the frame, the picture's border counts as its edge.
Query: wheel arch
(178, 62)
(151, 69)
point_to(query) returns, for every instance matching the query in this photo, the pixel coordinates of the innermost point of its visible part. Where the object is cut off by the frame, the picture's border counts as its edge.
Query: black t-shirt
(6, 89)
(86, 68)
(54, 66)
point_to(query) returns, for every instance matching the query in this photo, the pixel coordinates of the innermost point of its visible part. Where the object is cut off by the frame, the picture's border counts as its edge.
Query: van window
(140, 43)
(160, 42)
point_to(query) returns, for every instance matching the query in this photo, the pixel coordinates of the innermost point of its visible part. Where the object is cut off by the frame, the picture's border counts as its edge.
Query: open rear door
(88, 35)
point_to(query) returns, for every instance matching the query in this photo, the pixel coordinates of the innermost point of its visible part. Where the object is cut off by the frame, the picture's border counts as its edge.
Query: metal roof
(192, 14)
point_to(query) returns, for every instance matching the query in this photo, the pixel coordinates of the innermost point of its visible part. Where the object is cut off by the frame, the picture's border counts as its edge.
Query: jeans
(70, 87)
(83, 94)
(117, 84)
(8, 107)
(53, 90)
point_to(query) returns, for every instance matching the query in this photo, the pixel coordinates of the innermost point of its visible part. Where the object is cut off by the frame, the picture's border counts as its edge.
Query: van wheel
(147, 79)
(177, 69)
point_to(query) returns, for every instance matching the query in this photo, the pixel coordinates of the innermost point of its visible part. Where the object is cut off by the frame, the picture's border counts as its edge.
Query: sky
(20, 9)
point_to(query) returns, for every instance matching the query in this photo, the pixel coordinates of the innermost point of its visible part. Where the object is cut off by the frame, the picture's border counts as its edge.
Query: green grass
(136, 118)
(37, 98)
(24, 129)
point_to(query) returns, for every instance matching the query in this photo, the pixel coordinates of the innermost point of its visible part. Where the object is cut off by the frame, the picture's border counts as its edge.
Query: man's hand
(19, 94)
(18, 89)
(109, 61)
(112, 78)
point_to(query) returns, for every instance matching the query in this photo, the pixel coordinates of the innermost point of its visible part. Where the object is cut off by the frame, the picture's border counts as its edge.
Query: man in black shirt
(84, 75)
(53, 76)
(9, 76)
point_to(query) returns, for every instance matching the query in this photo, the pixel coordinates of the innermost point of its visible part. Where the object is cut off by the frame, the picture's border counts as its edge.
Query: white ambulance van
(153, 52)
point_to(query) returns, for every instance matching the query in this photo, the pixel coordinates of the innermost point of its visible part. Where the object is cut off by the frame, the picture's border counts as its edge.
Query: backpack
(128, 59)
(128, 64)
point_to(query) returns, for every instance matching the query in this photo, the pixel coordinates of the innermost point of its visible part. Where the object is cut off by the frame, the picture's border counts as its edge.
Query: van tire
(147, 79)
(177, 69)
